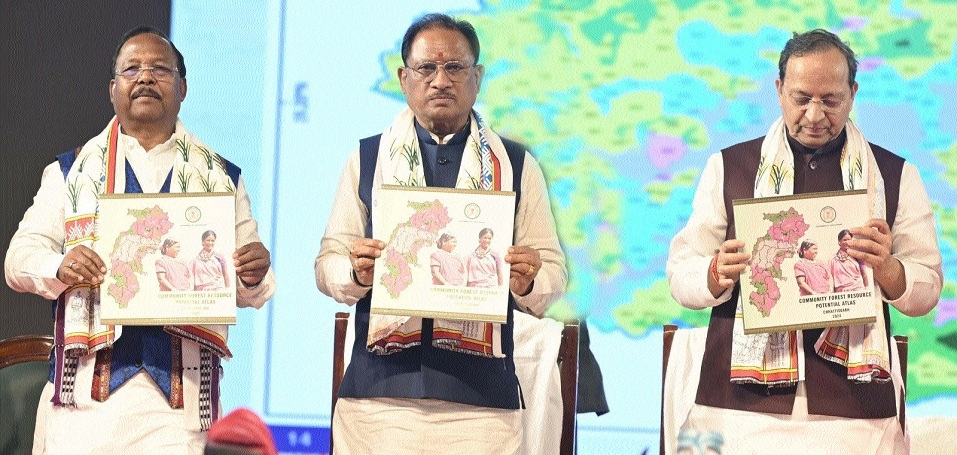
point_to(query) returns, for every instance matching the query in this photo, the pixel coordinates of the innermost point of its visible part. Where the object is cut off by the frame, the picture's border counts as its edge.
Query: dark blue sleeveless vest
(139, 347)
(425, 371)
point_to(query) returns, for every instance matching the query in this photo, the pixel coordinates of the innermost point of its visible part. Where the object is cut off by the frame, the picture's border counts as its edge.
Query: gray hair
(816, 40)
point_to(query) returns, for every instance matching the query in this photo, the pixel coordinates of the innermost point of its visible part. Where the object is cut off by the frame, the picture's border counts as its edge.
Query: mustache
(146, 91)
(442, 94)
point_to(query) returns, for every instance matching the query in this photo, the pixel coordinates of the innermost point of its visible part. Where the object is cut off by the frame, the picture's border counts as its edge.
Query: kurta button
(813, 165)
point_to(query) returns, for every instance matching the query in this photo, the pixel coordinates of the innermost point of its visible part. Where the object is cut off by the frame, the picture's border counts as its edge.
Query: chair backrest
(901, 342)
(27, 348)
(568, 370)
(338, 363)
(24, 368)
(568, 358)
(668, 336)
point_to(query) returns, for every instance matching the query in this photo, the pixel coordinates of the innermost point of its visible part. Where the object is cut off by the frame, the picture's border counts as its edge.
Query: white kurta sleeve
(36, 249)
(535, 227)
(693, 247)
(915, 245)
(247, 232)
(346, 225)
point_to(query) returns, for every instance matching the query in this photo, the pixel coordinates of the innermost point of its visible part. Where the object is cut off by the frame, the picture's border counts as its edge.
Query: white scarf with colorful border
(79, 331)
(772, 358)
(485, 166)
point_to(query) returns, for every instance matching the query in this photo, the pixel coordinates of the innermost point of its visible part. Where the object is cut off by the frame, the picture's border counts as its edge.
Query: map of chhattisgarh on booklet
(444, 254)
(800, 275)
(169, 258)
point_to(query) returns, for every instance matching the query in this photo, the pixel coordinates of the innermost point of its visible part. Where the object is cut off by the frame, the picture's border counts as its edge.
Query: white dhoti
(751, 432)
(691, 428)
(136, 418)
(423, 426)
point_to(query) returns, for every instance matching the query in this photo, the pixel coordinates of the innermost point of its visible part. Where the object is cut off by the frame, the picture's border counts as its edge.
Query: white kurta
(914, 244)
(35, 254)
(534, 227)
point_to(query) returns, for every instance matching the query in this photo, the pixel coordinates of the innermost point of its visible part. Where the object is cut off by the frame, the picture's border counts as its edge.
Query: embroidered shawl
(78, 328)
(772, 358)
(485, 166)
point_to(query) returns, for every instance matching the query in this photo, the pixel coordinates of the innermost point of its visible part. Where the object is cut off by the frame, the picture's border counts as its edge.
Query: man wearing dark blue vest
(426, 395)
(835, 394)
(129, 389)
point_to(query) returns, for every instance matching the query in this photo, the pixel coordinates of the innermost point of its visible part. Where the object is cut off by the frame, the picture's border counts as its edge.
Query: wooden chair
(901, 342)
(338, 363)
(26, 348)
(24, 368)
(668, 336)
(567, 356)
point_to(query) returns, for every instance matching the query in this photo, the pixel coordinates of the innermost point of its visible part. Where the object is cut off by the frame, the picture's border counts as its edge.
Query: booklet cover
(800, 276)
(168, 258)
(444, 254)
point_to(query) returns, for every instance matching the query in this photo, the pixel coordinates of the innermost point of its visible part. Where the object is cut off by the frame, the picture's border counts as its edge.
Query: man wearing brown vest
(823, 407)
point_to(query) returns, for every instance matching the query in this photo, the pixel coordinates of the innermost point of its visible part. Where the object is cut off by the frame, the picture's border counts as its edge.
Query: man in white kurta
(810, 145)
(424, 397)
(137, 415)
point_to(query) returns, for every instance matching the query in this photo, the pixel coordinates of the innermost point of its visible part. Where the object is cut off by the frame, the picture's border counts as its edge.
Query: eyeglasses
(455, 70)
(160, 73)
(829, 105)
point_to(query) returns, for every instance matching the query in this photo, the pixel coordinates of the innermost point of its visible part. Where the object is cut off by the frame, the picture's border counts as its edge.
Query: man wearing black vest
(426, 395)
(846, 403)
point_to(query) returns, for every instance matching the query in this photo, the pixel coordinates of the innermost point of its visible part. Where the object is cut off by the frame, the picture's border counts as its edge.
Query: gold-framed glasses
(160, 73)
(456, 71)
(830, 105)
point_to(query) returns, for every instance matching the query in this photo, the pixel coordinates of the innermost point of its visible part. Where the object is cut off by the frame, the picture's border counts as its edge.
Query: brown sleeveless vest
(828, 389)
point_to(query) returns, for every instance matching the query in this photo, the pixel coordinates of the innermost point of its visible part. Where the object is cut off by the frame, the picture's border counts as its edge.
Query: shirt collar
(132, 144)
(456, 138)
(835, 144)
